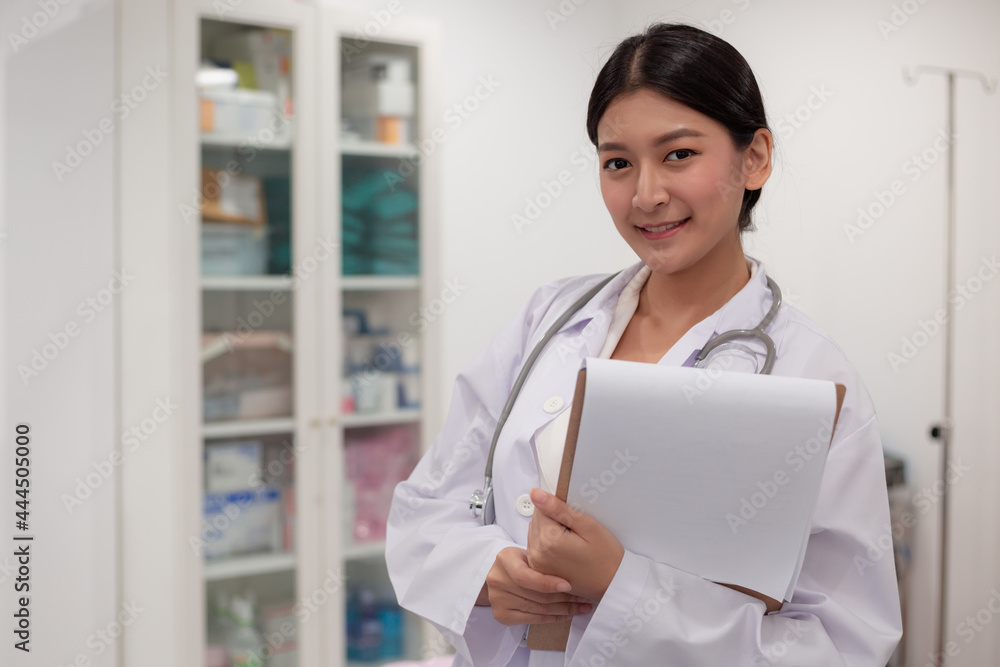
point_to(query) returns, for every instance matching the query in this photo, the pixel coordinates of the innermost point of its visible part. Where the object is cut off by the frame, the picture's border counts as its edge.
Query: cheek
(616, 197)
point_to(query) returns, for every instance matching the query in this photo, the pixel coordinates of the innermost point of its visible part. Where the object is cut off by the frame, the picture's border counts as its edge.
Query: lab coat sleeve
(844, 610)
(438, 554)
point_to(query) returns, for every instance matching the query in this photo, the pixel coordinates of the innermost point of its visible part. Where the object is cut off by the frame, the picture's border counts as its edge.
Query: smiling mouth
(663, 228)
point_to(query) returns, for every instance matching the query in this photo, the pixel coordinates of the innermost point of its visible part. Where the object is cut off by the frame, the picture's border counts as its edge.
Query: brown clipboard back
(553, 636)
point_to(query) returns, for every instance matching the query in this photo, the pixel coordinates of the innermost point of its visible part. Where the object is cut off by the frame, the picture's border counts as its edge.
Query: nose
(650, 191)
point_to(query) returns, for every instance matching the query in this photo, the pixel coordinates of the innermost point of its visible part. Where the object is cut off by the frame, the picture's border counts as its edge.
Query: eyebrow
(662, 139)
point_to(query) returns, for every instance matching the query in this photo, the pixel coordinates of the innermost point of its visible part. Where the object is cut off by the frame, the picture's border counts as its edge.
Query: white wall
(867, 294)
(58, 252)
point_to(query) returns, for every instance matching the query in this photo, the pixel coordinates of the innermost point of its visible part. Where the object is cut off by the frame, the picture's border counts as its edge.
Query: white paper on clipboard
(715, 473)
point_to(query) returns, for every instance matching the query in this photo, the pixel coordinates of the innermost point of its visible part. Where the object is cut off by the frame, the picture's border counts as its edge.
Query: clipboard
(554, 636)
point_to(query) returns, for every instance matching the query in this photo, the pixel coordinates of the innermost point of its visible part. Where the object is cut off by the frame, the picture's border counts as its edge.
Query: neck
(684, 298)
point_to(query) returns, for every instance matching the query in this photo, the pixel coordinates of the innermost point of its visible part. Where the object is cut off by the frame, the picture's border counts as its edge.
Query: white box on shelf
(364, 98)
(233, 250)
(388, 67)
(232, 466)
(242, 114)
(261, 402)
(268, 52)
(242, 522)
(247, 376)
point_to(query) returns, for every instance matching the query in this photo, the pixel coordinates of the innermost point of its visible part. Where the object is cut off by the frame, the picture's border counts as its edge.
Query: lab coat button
(553, 404)
(524, 505)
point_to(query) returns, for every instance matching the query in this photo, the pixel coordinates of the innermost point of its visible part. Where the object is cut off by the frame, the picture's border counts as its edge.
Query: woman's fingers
(510, 617)
(513, 610)
(519, 595)
(525, 577)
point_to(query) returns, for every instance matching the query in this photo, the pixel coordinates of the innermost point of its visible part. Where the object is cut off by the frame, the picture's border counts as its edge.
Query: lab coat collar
(743, 311)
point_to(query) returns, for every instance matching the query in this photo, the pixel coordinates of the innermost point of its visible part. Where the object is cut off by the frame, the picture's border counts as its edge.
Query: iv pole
(942, 430)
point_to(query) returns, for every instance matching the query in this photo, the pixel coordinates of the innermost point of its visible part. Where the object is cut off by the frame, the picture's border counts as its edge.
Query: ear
(757, 159)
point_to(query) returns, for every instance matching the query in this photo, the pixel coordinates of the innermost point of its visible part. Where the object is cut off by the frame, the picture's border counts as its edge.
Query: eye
(686, 152)
(615, 164)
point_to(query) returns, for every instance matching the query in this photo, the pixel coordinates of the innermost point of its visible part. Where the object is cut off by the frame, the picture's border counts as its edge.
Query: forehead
(647, 112)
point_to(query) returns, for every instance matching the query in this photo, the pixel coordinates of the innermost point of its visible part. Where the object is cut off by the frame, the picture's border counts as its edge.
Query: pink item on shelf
(377, 460)
(215, 656)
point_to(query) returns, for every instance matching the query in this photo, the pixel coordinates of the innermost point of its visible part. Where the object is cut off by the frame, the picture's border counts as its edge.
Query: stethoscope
(482, 499)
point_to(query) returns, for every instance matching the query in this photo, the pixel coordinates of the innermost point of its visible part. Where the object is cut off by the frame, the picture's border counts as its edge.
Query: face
(673, 180)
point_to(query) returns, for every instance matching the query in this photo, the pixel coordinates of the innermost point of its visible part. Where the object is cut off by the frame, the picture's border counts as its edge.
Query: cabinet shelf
(247, 427)
(245, 566)
(278, 145)
(401, 416)
(377, 149)
(246, 283)
(375, 283)
(365, 550)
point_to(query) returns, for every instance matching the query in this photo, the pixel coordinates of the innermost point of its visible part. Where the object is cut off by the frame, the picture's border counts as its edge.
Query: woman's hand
(573, 545)
(520, 595)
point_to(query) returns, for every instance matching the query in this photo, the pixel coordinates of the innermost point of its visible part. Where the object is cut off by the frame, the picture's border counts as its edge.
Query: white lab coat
(845, 608)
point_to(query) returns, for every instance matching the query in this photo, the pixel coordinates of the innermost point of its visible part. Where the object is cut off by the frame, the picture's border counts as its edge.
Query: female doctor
(683, 150)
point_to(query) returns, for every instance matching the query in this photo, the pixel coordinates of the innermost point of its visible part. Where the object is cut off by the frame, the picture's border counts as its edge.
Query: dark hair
(692, 67)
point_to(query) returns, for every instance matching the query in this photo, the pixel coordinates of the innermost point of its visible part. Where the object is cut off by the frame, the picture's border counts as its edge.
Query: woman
(684, 150)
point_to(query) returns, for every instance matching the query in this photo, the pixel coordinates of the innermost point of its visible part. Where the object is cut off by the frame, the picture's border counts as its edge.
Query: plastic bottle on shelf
(244, 644)
(391, 616)
(219, 622)
(364, 627)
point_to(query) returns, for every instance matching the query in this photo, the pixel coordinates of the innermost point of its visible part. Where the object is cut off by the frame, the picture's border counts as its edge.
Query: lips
(664, 227)
(663, 230)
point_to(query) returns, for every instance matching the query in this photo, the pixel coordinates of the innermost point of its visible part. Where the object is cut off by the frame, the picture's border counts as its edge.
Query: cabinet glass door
(380, 290)
(247, 129)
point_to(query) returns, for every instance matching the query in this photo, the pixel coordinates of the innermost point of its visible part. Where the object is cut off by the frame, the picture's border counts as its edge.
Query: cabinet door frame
(380, 26)
(185, 582)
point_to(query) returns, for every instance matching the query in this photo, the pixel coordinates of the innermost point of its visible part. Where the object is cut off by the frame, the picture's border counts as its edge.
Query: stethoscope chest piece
(482, 504)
